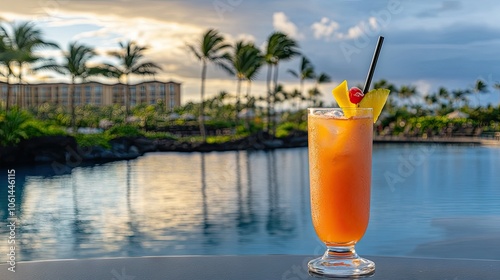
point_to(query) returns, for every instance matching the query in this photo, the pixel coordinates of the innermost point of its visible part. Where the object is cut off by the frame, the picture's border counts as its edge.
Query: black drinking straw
(373, 64)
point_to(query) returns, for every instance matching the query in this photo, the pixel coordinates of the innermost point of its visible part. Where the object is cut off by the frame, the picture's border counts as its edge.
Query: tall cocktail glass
(340, 161)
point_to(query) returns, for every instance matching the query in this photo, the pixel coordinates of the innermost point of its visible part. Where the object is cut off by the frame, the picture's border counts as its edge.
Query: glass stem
(340, 252)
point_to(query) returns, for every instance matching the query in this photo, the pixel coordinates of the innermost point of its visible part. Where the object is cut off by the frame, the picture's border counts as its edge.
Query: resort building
(93, 93)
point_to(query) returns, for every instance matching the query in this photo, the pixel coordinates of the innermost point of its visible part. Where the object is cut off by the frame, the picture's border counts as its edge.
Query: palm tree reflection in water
(278, 220)
(304, 184)
(241, 203)
(246, 218)
(207, 226)
(220, 203)
(135, 236)
(81, 228)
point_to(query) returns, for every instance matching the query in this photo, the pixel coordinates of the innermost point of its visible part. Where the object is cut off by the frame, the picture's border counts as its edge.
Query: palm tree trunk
(20, 86)
(127, 97)
(7, 104)
(249, 86)
(202, 104)
(311, 97)
(238, 100)
(268, 97)
(72, 96)
(275, 82)
(301, 86)
(247, 106)
(18, 93)
(301, 93)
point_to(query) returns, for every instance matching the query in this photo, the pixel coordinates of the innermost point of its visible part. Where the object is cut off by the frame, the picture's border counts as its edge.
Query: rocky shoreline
(63, 151)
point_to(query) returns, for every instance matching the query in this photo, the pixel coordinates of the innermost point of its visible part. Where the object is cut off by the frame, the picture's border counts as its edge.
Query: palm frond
(224, 66)
(145, 68)
(52, 67)
(293, 73)
(194, 51)
(323, 78)
(480, 86)
(280, 47)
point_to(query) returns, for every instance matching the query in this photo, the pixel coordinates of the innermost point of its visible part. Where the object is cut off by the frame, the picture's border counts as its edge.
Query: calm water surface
(424, 200)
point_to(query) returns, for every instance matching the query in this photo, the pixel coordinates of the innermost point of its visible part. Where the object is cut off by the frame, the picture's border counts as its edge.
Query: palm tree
(279, 47)
(306, 72)
(479, 87)
(246, 59)
(497, 87)
(407, 92)
(130, 58)
(459, 96)
(76, 66)
(211, 48)
(444, 97)
(251, 74)
(314, 93)
(23, 39)
(296, 94)
(391, 104)
(280, 95)
(384, 84)
(431, 100)
(6, 60)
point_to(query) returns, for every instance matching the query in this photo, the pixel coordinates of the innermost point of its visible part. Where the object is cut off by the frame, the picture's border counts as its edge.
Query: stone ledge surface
(242, 268)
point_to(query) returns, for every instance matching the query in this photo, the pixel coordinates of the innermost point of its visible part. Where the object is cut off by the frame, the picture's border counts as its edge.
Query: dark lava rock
(63, 153)
(43, 149)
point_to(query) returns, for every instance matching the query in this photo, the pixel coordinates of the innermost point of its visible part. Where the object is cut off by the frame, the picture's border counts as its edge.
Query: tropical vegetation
(210, 49)
(279, 111)
(130, 57)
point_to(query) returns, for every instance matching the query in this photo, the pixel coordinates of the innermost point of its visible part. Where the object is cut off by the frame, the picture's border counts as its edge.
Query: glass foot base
(341, 264)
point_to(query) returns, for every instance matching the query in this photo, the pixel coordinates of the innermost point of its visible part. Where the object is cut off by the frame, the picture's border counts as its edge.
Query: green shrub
(159, 135)
(284, 129)
(217, 124)
(89, 140)
(11, 127)
(124, 130)
(35, 128)
(219, 139)
(19, 124)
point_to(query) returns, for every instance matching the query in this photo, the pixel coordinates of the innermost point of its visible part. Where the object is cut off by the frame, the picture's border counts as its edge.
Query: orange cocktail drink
(340, 158)
(340, 161)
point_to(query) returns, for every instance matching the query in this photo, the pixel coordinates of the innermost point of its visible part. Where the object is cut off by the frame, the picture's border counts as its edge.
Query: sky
(428, 44)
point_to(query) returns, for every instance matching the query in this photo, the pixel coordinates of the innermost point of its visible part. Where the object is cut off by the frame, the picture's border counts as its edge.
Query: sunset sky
(428, 43)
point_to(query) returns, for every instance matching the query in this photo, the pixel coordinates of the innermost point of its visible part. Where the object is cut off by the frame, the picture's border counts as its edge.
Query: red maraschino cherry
(355, 95)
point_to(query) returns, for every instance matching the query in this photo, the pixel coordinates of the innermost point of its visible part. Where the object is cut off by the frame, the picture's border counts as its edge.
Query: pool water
(427, 200)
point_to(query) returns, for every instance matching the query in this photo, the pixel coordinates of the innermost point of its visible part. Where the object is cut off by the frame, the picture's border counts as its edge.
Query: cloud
(446, 6)
(166, 38)
(452, 46)
(281, 23)
(246, 37)
(328, 29)
(230, 39)
(64, 21)
(324, 28)
(364, 27)
(424, 87)
(102, 33)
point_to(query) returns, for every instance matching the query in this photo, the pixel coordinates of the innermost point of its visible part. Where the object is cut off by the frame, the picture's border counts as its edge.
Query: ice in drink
(340, 159)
